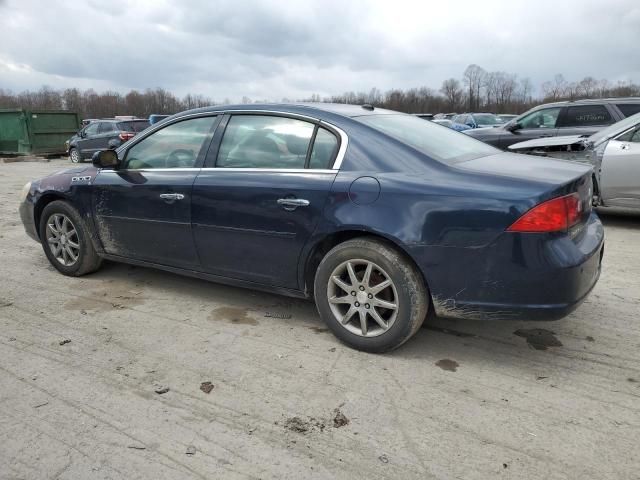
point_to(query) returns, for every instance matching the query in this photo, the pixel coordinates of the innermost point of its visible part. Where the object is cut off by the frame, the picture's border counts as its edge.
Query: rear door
(620, 171)
(143, 209)
(262, 196)
(584, 119)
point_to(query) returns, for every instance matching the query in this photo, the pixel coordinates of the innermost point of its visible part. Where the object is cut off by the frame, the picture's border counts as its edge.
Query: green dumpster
(36, 132)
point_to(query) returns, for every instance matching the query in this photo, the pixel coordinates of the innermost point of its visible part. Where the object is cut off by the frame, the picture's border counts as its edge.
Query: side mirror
(105, 159)
(82, 134)
(512, 127)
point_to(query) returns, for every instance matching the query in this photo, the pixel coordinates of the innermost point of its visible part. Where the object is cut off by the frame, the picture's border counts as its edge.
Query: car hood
(527, 167)
(548, 142)
(84, 169)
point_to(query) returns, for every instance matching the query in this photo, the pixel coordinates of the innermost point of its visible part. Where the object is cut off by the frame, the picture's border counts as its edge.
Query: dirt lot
(81, 361)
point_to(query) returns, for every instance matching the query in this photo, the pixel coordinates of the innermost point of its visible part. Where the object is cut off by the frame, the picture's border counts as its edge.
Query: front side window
(263, 141)
(175, 146)
(586, 116)
(546, 118)
(92, 129)
(632, 136)
(441, 144)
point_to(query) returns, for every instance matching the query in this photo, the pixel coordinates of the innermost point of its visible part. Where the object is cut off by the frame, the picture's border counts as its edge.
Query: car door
(143, 208)
(620, 171)
(107, 131)
(538, 124)
(262, 197)
(87, 141)
(584, 119)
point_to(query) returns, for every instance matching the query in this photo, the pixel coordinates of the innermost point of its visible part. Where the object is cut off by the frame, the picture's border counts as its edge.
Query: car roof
(588, 101)
(345, 110)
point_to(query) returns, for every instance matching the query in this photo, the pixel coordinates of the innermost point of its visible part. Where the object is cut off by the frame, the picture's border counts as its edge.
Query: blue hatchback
(377, 215)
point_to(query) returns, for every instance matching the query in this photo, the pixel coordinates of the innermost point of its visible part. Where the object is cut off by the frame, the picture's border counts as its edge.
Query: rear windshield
(134, 126)
(437, 142)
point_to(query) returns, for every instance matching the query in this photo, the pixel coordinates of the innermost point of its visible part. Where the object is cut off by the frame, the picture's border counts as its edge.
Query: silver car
(614, 152)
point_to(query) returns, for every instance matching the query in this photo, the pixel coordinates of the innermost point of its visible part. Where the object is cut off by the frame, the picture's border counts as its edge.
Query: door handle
(170, 197)
(292, 203)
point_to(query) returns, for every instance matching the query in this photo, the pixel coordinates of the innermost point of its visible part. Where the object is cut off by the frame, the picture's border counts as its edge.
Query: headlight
(25, 191)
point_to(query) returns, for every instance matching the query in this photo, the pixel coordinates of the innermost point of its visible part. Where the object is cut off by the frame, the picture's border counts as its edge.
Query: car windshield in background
(616, 128)
(487, 119)
(442, 144)
(135, 126)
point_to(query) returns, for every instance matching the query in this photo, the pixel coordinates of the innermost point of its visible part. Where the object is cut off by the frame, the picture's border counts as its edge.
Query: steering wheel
(181, 158)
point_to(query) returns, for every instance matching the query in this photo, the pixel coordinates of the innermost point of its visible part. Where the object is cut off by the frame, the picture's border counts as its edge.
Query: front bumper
(517, 277)
(28, 219)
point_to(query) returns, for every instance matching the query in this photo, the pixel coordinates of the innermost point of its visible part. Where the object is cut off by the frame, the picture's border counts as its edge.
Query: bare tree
(473, 78)
(452, 91)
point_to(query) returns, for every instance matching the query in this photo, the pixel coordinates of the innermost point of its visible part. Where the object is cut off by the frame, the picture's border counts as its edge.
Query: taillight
(555, 215)
(124, 136)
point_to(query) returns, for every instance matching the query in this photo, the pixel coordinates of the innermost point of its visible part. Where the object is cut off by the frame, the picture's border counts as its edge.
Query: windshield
(487, 119)
(136, 126)
(442, 144)
(616, 128)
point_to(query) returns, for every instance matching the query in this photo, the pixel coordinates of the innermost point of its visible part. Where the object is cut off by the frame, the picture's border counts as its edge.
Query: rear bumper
(517, 277)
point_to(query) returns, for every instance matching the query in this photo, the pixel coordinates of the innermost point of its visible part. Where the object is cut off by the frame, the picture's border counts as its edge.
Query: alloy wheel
(62, 238)
(363, 298)
(75, 156)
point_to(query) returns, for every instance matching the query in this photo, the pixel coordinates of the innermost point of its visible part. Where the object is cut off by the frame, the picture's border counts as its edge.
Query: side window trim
(200, 158)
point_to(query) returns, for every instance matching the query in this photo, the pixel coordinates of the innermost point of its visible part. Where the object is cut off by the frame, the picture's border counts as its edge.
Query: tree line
(476, 90)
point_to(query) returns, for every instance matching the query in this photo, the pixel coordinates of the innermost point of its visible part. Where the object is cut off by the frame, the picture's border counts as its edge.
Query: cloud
(271, 49)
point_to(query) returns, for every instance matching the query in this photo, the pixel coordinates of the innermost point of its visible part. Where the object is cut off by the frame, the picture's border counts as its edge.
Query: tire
(74, 155)
(406, 291)
(58, 219)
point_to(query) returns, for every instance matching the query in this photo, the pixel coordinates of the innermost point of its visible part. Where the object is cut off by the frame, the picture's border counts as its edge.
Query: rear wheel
(74, 155)
(370, 295)
(66, 240)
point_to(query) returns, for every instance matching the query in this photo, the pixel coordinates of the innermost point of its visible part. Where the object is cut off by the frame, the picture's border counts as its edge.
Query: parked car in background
(444, 122)
(581, 117)
(614, 153)
(155, 118)
(445, 116)
(477, 120)
(102, 134)
(87, 121)
(426, 116)
(506, 117)
(377, 215)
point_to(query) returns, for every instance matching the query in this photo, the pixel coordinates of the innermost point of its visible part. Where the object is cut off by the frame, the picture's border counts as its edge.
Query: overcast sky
(268, 49)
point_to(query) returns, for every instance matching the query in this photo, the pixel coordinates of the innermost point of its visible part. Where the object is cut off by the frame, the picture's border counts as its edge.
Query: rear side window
(629, 109)
(586, 116)
(106, 127)
(325, 149)
(263, 141)
(137, 126)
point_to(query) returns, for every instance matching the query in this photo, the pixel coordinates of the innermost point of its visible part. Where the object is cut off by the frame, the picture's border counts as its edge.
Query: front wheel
(66, 240)
(370, 295)
(74, 155)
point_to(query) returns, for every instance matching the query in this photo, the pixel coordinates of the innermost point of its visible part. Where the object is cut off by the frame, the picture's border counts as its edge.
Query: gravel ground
(82, 360)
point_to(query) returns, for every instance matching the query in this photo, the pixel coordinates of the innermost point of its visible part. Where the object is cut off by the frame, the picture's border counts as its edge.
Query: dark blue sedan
(377, 215)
